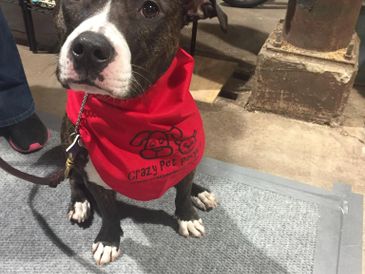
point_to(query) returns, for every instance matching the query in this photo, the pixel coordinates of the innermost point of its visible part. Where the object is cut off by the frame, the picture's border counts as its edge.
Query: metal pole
(193, 37)
(29, 26)
(323, 25)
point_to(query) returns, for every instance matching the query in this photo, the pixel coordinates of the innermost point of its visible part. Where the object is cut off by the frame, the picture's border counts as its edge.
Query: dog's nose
(91, 52)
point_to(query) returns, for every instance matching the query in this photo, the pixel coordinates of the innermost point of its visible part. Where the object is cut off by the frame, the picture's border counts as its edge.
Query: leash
(76, 145)
(55, 178)
(52, 180)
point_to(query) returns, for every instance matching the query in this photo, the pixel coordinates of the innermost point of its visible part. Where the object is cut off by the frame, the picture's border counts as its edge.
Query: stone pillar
(308, 64)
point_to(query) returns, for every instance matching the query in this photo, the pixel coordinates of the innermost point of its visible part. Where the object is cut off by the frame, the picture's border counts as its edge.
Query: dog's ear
(202, 9)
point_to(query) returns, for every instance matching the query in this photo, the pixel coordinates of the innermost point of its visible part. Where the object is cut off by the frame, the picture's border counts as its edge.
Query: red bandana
(143, 146)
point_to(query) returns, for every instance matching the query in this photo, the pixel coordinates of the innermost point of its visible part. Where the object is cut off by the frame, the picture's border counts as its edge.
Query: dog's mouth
(89, 83)
(97, 86)
(85, 85)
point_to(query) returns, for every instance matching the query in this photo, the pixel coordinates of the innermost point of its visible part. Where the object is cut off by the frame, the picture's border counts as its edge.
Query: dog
(118, 51)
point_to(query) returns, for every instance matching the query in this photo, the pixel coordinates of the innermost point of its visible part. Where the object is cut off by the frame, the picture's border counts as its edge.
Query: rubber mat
(264, 224)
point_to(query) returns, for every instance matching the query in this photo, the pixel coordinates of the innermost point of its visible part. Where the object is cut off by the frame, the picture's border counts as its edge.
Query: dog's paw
(79, 212)
(205, 201)
(104, 254)
(193, 228)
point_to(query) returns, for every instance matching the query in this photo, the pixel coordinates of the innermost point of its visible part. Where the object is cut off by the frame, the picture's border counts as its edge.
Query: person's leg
(16, 102)
(25, 131)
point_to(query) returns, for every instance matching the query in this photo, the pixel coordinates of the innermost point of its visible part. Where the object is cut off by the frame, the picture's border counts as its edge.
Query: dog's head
(120, 47)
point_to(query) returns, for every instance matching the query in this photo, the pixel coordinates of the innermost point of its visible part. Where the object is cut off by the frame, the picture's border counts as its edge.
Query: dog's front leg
(80, 210)
(189, 222)
(106, 245)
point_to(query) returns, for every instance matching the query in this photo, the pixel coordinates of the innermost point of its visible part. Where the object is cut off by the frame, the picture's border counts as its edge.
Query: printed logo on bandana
(167, 151)
(157, 144)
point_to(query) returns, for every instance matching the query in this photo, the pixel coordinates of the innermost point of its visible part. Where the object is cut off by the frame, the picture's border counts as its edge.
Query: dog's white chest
(95, 178)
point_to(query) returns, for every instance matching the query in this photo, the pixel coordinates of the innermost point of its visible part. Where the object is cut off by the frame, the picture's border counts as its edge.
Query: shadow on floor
(240, 37)
(168, 252)
(272, 4)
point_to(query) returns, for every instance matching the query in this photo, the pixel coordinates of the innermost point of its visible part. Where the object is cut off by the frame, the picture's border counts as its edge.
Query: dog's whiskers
(136, 87)
(139, 67)
(141, 75)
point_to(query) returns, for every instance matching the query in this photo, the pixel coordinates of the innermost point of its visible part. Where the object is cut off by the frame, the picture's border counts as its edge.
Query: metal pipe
(194, 33)
(323, 25)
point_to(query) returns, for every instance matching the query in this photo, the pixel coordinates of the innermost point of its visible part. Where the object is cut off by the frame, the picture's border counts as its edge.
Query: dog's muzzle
(90, 53)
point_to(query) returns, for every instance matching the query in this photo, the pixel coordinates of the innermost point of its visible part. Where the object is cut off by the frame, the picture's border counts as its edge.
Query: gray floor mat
(264, 224)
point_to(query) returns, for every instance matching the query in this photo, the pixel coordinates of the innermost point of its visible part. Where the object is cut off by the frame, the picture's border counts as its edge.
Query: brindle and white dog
(108, 46)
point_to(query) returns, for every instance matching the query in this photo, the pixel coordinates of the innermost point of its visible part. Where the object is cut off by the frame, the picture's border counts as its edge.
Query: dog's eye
(150, 9)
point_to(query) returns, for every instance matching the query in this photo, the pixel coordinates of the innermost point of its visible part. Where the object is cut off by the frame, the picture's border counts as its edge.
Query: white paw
(105, 254)
(194, 228)
(205, 201)
(80, 212)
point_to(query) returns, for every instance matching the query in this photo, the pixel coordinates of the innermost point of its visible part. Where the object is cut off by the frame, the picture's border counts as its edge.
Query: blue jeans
(16, 102)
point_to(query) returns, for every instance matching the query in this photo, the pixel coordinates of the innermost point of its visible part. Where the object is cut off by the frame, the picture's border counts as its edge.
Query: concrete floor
(312, 154)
